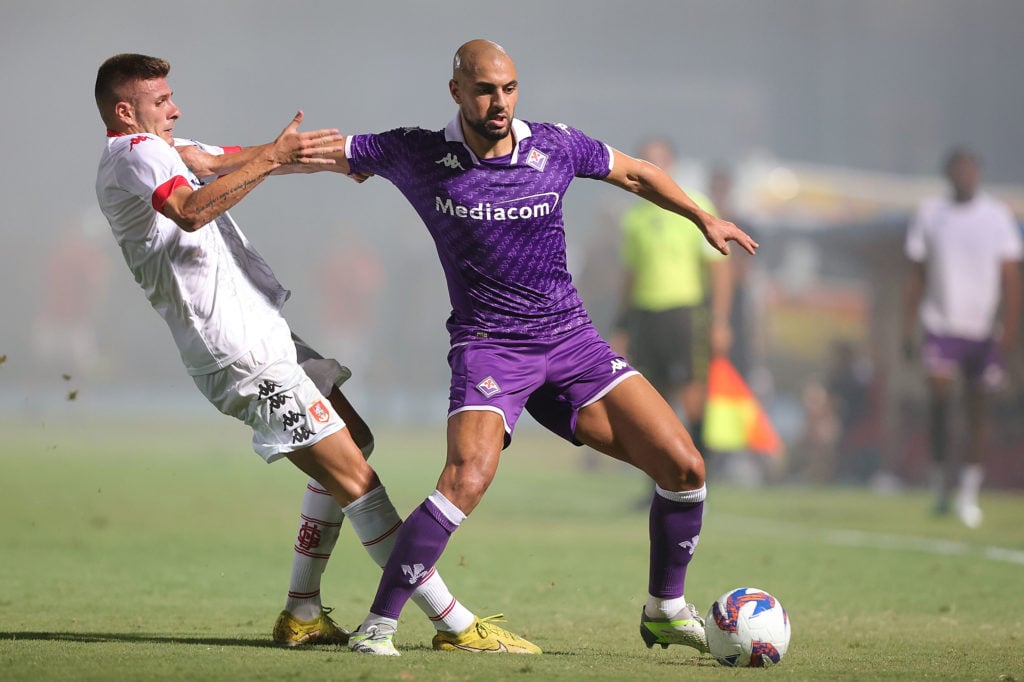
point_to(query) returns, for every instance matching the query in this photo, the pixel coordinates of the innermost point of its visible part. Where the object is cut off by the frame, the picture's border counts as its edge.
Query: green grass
(162, 551)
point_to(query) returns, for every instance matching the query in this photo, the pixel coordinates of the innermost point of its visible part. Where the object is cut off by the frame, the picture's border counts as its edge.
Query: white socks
(319, 527)
(664, 609)
(970, 484)
(683, 496)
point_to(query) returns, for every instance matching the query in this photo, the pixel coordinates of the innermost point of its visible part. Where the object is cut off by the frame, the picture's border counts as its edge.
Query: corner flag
(734, 419)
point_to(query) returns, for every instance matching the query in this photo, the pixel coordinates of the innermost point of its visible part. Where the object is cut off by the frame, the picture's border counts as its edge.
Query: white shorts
(267, 389)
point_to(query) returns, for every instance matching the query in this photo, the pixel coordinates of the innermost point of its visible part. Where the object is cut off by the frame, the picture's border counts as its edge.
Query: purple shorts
(944, 356)
(552, 378)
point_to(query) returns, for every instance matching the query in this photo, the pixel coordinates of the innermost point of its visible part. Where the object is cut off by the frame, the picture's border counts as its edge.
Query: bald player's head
(485, 86)
(474, 54)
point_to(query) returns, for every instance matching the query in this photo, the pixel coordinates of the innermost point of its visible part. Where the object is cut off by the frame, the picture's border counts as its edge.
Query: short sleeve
(376, 153)
(590, 158)
(151, 169)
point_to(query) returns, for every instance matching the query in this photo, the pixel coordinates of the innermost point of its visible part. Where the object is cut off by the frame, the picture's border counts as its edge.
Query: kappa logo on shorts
(319, 412)
(617, 364)
(488, 387)
(301, 435)
(537, 159)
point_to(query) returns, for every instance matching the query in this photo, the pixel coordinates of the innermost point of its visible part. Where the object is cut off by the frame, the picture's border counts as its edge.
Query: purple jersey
(497, 224)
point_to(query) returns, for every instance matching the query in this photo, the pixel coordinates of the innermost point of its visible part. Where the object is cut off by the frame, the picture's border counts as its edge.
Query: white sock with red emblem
(319, 527)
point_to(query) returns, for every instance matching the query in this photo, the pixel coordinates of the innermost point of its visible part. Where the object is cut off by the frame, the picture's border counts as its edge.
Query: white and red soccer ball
(747, 628)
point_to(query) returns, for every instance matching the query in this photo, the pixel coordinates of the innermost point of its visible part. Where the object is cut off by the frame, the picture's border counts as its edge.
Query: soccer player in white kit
(222, 304)
(966, 252)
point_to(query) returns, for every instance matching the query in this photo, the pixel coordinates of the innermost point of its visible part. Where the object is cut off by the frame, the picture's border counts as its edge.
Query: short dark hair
(120, 69)
(956, 154)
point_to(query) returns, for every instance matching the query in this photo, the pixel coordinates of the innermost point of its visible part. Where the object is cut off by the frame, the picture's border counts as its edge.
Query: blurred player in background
(965, 250)
(223, 305)
(74, 287)
(489, 188)
(676, 300)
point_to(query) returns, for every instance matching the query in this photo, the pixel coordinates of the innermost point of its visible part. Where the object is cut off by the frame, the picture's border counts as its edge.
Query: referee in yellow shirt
(676, 299)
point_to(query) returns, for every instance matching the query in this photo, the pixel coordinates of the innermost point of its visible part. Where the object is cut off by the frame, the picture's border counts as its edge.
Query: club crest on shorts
(537, 159)
(319, 412)
(488, 387)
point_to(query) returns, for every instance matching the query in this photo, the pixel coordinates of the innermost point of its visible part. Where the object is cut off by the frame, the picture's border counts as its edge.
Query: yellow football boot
(290, 631)
(483, 636)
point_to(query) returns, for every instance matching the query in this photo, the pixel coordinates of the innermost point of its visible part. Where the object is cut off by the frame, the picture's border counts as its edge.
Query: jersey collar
(520, 131)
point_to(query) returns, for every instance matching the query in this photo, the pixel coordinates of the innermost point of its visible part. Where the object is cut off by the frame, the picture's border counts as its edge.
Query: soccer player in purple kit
(489, 188)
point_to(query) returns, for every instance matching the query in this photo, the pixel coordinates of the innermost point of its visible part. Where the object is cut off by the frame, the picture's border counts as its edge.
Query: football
(747, 628)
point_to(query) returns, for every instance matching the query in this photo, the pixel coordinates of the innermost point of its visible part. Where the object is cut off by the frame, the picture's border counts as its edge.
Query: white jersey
(216, 293)
(963, 246)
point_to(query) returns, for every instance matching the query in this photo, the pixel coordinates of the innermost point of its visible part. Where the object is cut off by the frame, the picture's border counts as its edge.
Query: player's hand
(720, 232)
(199, 162)
(311, 147)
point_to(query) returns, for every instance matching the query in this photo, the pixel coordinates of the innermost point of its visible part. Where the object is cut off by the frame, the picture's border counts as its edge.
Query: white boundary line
(859, 538)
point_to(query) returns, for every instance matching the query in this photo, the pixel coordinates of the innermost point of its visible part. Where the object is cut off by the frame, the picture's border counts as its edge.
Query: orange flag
(734, 419)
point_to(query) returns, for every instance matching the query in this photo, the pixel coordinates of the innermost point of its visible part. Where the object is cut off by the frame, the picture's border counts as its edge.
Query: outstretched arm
(206, 165)
(191, 209)
(655, 185)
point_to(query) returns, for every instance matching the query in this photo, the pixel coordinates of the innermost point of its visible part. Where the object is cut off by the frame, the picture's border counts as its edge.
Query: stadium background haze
(871, 86)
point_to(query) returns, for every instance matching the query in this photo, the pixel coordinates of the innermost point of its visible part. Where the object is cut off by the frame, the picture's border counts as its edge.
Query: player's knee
(682, 467)
(465, 487)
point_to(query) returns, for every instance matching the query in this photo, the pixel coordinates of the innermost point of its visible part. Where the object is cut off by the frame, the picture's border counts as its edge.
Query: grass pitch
(161, 551)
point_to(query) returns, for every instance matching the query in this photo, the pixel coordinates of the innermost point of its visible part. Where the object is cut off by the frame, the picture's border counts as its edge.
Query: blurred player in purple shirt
(489, 188)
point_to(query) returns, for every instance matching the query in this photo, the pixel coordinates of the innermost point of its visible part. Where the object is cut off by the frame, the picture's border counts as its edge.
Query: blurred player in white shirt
(965, 251)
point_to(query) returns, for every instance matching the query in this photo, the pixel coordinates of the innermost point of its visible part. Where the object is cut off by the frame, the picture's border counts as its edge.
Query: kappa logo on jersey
(690, 544)
(450, 161)
(617, 364)
(564, 128)
(488, 387)
(537, 159)
(319, 412)
(415, 572)
(138, 139)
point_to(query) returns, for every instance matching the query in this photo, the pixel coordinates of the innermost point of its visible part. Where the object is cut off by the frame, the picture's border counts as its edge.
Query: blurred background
(829, 119)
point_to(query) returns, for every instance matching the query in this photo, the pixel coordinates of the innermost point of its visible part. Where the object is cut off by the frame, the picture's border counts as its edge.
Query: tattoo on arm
(241, 186)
